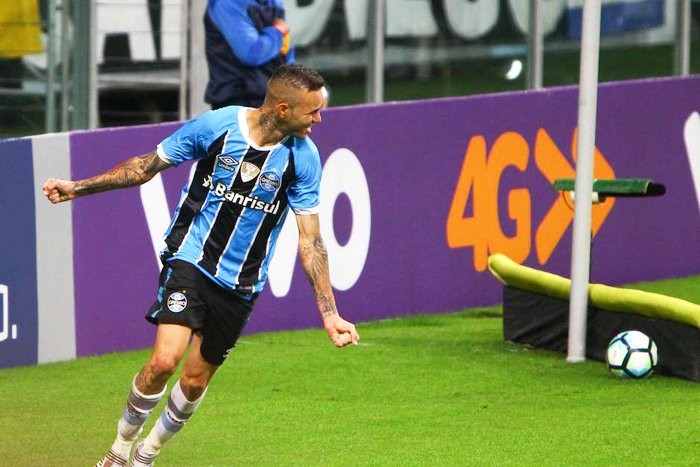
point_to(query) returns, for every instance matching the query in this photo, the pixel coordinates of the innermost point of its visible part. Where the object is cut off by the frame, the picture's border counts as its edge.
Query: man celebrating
(252, 165)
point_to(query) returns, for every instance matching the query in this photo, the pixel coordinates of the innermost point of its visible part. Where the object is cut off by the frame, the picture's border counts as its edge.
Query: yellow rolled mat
(648, 304)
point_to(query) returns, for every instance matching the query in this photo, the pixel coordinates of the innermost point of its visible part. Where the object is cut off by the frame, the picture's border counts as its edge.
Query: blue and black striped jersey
(230, 214)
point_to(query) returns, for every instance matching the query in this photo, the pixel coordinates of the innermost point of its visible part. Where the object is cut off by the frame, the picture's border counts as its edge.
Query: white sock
(138, 407)
(174, 416)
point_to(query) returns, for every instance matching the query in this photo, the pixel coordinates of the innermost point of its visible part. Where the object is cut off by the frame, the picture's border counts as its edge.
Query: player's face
(305, 114)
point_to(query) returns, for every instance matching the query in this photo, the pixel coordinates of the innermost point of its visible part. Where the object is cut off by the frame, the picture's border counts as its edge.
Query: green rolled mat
(615, 186)
(633, 301)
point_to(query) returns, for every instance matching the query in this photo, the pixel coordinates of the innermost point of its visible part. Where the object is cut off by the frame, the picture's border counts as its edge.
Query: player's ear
(284, 111)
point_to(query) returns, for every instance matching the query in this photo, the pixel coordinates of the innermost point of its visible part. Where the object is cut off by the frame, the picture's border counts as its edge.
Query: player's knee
(164, 365)
(193, 386)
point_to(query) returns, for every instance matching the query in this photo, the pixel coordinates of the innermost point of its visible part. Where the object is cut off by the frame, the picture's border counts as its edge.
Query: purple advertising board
(115, 275)
(444, 184)
(18, 271)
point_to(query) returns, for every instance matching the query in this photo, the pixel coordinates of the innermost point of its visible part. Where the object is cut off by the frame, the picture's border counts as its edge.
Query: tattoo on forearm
(325, 305)
(315, 259)
(135, 171)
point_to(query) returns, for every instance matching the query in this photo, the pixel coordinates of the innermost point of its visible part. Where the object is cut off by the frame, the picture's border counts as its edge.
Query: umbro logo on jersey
(227, 163)
(249, 171)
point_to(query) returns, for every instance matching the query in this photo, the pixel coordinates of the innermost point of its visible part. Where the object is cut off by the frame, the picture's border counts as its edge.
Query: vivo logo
(691, 135)
(342, 174)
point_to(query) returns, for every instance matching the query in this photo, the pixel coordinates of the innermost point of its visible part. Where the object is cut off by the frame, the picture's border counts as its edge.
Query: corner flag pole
(581, 248)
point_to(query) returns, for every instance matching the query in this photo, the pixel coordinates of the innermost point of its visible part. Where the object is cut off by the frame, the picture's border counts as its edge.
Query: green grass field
(437, 390)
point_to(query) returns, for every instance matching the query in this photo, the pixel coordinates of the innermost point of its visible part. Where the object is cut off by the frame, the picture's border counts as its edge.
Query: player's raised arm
(132, 172)
(314, 259)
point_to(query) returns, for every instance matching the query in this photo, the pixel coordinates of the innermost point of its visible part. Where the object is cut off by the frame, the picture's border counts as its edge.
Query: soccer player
(252, 165)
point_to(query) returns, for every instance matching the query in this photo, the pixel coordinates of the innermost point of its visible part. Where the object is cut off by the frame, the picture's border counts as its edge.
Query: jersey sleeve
(303, 194)
(189, 142)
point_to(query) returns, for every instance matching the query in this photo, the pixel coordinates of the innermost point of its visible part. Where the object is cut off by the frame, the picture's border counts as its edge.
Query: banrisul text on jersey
(253, 203)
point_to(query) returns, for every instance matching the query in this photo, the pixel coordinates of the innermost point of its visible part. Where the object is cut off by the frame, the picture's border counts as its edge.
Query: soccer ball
(632, 354)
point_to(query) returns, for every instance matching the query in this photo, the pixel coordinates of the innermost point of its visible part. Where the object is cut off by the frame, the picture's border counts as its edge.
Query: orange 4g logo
(480, 178)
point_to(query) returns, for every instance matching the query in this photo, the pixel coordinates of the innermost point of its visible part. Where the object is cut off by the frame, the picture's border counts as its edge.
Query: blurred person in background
(246, 41)
(20, 35)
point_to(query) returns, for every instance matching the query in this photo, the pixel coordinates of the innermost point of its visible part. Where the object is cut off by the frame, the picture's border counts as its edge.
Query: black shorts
(189, 298)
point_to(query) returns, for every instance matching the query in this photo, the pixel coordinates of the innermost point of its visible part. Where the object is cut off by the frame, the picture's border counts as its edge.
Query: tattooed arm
(132, 172)
(314, 259)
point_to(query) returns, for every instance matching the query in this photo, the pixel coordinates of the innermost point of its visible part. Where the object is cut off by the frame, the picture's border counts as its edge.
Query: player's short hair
(298, 76)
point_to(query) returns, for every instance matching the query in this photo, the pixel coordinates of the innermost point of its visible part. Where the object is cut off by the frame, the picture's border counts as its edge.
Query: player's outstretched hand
(58, 191)
(340, 332)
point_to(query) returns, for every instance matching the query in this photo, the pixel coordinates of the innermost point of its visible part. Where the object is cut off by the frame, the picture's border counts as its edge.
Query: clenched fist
(58, 191)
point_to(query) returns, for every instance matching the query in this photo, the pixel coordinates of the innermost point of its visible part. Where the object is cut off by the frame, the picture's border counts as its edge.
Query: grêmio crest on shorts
(230, 214)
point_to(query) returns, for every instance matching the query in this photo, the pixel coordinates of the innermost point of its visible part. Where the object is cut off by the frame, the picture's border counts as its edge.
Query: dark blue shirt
(243, 50)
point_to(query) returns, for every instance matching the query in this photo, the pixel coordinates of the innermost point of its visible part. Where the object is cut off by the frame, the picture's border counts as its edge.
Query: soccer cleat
(141, 458)
(112, 459)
